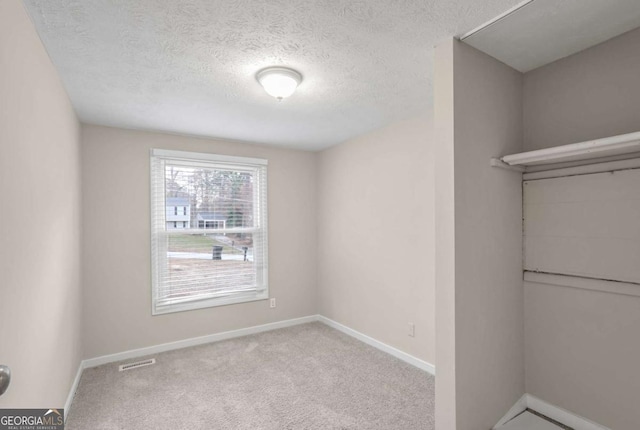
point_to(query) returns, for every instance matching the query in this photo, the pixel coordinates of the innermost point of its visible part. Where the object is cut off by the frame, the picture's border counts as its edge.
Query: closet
(581, 213)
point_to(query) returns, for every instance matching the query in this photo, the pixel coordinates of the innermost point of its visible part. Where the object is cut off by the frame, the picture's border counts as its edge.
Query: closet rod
(586, 169)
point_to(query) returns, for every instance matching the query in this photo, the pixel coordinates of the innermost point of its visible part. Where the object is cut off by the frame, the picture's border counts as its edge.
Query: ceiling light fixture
(279, 82)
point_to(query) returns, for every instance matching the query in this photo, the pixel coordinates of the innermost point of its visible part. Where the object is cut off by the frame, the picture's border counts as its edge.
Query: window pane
(213, 198)
(208, 265)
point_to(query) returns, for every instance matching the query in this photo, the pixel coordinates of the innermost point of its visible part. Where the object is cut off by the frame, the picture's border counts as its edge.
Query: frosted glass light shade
(279, 82)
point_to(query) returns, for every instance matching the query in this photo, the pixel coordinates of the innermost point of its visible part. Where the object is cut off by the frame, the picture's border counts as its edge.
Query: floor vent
(137, 364)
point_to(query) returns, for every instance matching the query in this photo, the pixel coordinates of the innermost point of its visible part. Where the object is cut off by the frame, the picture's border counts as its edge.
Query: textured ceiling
(522, 39)
(189, 66)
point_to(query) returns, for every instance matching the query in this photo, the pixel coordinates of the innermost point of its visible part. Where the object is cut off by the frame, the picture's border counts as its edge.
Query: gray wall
(116, 257)
(584, 225)
(589, 95)
(376, 235)
(39, 220)
(582, 347)
(479, 297)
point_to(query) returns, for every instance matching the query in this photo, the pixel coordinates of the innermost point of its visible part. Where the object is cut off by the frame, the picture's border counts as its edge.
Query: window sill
(210, 303)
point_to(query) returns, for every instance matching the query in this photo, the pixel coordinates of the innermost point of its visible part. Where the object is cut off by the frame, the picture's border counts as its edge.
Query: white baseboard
(185, 343)
(563, 416)
(517, 409)
(72, 391)
(421, 364)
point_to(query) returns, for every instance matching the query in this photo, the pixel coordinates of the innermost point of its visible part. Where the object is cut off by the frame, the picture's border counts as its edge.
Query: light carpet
(305, 377)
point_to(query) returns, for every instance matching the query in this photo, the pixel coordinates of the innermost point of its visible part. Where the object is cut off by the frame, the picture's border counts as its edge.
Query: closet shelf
(623, 144)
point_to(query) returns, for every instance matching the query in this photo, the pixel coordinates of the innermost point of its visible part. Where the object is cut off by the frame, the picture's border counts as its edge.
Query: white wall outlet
(272, 303)
(412, 329)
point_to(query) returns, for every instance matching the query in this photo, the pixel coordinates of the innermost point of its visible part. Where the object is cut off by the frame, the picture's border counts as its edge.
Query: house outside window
(178, 218)
(216, 252)
(212, 220)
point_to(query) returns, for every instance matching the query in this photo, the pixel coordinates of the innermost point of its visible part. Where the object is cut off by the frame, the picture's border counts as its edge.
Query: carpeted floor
(304, 377)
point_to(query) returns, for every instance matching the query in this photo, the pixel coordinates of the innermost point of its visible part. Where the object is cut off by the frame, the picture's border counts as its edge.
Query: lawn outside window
(218, 256)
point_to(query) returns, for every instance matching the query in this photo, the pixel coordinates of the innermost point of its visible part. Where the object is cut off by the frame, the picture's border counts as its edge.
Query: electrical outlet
(272, 303)
(412, 329)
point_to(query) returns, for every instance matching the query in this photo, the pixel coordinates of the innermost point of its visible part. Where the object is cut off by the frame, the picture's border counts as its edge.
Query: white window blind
(218, 256)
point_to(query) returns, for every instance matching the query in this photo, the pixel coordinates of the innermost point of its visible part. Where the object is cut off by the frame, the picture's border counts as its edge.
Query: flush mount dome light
(279, 82)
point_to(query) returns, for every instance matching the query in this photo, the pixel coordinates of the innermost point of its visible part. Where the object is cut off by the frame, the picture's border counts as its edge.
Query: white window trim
(202, 156)
(260, 210)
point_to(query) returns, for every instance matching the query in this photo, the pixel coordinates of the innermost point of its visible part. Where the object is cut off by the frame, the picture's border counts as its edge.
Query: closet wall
(584, 225)
(479, 316)
(582, 347)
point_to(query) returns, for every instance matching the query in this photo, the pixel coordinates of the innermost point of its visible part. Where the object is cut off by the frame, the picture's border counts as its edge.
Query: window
(184, 210)
(223, 259)
(175, 210)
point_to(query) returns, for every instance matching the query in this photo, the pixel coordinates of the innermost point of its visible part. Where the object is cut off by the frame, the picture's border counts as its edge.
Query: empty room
(341, 214)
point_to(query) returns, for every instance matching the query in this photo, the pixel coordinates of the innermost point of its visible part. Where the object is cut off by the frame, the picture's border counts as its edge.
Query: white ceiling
(189, 66)
(546, 30)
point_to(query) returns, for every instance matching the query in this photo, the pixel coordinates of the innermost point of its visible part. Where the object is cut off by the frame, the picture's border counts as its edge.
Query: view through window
(209, 237)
